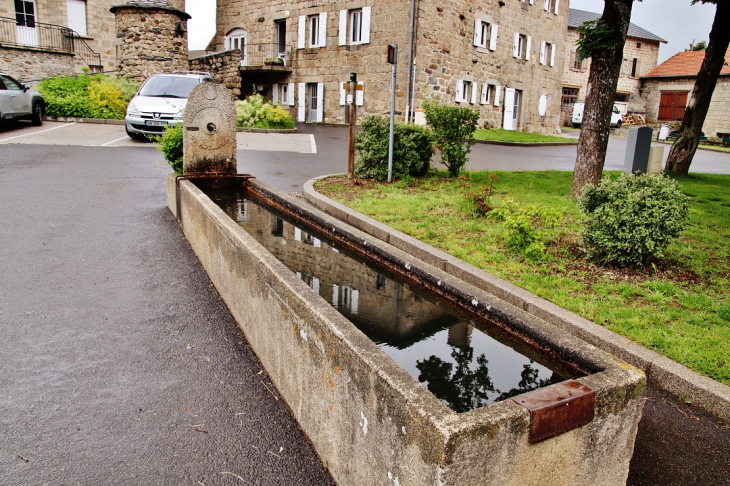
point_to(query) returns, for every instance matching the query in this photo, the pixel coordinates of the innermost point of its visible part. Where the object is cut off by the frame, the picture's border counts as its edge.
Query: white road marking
(314, 144)
(36, 133)
(113, 141)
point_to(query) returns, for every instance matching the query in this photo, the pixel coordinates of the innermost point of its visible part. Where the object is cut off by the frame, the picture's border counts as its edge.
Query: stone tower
(152, 37)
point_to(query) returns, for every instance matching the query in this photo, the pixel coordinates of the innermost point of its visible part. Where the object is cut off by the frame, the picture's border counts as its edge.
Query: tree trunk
(602, 81)
(684, 148)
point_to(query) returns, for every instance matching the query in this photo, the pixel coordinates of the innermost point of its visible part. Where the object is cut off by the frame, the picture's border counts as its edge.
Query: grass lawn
(679, 306)
(498, 134)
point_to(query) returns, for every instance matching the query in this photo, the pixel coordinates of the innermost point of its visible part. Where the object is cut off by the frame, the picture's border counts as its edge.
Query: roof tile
(685, 64)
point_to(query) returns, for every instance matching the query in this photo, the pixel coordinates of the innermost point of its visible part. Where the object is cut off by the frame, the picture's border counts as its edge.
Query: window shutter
(516, 45)
(543, 51)
(493, 37)
(547, 5)
(552, 54)
(485, 93)
(302, 32)
(638, 68)
(290, 94)
(532, 2)
(474, 93)
(557, 2)
(322, 29)
(76, 12)
(275, 94)
(477, 32)
(366, 25)
(320, 102)
(302, 92)
(359, 94)
(542, 106)
(497, 92)
(459, 90)
(343, 93)
(528, 48)
(343, 28)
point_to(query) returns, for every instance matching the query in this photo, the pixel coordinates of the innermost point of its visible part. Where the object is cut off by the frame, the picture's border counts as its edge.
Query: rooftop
(685, 64)
(578, 17)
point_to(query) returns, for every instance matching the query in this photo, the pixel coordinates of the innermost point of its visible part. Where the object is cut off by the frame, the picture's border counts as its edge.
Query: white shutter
(485, 94)
(532, 2)
(459, 90)
(343, 93)
(360, 94)
(302, 92)
(302, 32)
(477, 32)
(275, 94)
(528, 48)
(547, 4)
(474, 93)
(322, 29)
(543, 51)
(509, 106)
(552, 54)
(557, 2)
(320, 102)
(516, 45)
(76, 10)
(493, 37)
(343, 27)
(542, 106)
(497, 92)
(290, 94)
(366, 25)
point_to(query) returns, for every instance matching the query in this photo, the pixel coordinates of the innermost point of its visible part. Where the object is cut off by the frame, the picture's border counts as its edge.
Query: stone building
(36, 40)
(152, 38)
(667, 89)
(641, 53)
(504, 59)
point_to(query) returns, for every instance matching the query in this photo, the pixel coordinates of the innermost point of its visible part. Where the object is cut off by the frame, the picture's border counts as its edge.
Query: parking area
(113, 135)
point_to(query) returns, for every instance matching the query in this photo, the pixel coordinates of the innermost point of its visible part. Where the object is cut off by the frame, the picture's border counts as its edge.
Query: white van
(617, 119)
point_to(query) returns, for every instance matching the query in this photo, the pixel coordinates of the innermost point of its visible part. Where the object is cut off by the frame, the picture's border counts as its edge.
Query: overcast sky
(676, 21)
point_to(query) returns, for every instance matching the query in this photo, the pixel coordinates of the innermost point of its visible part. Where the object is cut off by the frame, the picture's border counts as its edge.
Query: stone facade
(717, 120)
(445, 55)
(31, 65)
(223, 66)
(100, 34)
(151, 40)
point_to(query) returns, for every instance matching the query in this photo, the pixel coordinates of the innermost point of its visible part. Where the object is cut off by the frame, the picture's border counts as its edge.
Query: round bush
(631, 219)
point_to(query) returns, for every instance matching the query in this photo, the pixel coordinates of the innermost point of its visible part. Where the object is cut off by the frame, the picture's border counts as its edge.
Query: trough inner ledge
(370, 420)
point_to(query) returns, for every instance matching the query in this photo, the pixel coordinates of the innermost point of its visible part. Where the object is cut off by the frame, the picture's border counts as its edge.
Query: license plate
(155, 123)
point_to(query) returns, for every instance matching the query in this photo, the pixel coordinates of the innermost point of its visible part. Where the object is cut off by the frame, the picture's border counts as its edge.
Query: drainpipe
(410, 60)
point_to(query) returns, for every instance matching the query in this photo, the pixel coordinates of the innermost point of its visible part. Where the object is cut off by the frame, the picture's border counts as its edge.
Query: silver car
(160, 102)
(20, 102)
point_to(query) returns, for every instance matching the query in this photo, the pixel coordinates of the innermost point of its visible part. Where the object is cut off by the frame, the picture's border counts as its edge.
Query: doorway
(512, 98)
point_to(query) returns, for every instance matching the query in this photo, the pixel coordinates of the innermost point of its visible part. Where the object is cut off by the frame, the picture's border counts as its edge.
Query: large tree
(603, 41)
(683, 150)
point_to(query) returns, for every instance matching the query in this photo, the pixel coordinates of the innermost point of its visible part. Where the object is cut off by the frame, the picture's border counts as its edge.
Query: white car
(160, 102)
(20, 102)
(617, 119)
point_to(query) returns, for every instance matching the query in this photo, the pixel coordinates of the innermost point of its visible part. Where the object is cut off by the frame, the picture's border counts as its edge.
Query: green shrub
(170, 143)
(84, 96)
(247, 111)
(274, 117)
(526, 226)
(453, 128)
(412, 149)
(632, 219)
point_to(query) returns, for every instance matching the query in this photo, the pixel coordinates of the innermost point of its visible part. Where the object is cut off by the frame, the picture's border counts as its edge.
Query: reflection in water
(463, 366)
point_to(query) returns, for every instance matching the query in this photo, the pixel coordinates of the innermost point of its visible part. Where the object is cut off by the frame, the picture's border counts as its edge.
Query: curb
(706, 394)
(526, 144)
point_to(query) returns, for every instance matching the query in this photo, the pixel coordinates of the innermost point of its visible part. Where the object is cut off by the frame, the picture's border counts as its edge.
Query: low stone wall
(27, 64)
(371, 421)
(223, 66)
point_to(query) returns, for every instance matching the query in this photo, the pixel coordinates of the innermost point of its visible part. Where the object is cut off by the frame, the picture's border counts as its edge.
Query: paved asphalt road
(119, 364)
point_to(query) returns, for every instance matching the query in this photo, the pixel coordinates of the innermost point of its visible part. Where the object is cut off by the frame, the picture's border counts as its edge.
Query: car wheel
(133, 136)
(576, 125)
(37, 117)
(618, 124)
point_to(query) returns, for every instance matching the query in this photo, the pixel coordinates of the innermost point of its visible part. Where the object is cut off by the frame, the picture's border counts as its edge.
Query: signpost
(351, 110)
(392, 59)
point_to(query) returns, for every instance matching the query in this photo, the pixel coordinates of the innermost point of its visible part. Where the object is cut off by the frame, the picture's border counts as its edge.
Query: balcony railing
(269, 55)
(48, 37)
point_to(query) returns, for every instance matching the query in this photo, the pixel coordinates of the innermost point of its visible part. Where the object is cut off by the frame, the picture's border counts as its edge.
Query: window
(283, 94)
(485, 34)
(380, 282)
(521, 46)
(355, 26)
(489, 94)
(312, 29)
(547, 53)
(76, 12)
(576, 62)
(622, 97)
(465, 92)
(552, 5)
(25, 13)
(236, 39)
(277, 227)
(638, 45)
(10, 83)
(672, 105)
(542, 105)
(281, 37)
(570, 96)
(635, 68)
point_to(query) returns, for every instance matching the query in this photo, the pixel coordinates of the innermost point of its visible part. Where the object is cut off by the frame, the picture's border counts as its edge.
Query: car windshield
(168, 86)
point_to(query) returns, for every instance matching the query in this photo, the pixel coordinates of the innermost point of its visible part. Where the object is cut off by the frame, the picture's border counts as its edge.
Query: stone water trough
(371, 421)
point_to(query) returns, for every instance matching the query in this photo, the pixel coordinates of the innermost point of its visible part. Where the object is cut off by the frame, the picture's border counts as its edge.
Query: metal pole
(392, 114)
(352, 111)
(409, 106)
